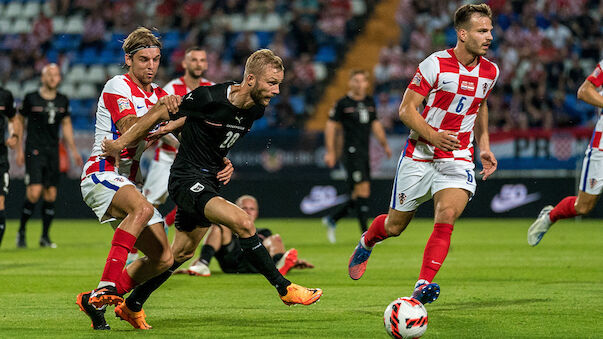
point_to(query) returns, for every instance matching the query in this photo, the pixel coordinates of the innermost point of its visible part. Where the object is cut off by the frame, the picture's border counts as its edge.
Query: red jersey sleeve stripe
(596, 78)
(419, 84)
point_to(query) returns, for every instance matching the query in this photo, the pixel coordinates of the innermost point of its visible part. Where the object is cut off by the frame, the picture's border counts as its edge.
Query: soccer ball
(405, 318)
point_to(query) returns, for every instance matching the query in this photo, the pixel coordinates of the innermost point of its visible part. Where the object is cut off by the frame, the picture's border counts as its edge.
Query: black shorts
(42, 167)
(4, 179)
(231, 258)
(191, 194)
(357, 168)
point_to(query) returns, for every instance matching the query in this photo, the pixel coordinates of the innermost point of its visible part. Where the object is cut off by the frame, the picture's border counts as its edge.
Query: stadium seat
(30, 86)
(96, 74)
(298, 103)
(237, 23)
(320, 71)
(22, 25)
(58, 24)
(326, 54)
(86, 91)
(31, 9)
(5, 26)
(65, 42)
(113, 70)
(76, 74)
(13, 10)
(75, 25)
(358, 7)
(264, 38)
(67, 88)
(170, 40)
(15, 88)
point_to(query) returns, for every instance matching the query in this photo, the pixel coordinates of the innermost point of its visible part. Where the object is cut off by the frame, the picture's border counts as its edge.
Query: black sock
(2, 224)
(207, 252)
(343, 210)
(362, 210)
(28, 209)
(47, 216)
(258, 256)
(277, 257)
(142, 292)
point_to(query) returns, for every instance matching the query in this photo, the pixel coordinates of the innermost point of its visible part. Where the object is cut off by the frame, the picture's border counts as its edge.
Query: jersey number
(231, 138)
(459, 107)
(51, 114)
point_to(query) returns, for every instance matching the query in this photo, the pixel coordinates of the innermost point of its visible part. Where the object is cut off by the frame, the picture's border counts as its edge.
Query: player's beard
(256, 96)
(193, 74)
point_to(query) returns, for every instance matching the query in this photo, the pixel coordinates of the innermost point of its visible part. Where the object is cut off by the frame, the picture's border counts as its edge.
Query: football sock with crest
(376, 232)
(258, 256)
(121, 245)
(565, 209)
(142, 292)
(2, 224)
(47, 216)
(28, 209)
(362, 210)
(207, 252)
(436, 250)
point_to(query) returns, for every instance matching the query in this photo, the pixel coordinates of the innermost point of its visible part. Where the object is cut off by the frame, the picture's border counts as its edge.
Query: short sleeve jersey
(43, 120)
(596, 78)
(356, 118)
(454, 94)
(120, 97)
(7, 109)
(176, 87)
(213, 125)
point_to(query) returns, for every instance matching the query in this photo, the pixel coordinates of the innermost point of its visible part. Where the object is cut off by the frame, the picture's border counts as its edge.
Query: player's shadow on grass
(489, 303)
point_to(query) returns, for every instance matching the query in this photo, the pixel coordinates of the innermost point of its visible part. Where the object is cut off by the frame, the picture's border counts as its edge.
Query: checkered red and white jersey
(596, 78)
(177, 87)
(119, 98)
(454, 94)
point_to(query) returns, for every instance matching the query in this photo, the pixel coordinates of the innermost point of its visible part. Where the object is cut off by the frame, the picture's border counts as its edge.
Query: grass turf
(493, 285)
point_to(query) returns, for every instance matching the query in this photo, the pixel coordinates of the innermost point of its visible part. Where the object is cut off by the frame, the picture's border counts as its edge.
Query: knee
(446, 215)
(144, 212)
(182, 256)
(243, 226)
(165, 261)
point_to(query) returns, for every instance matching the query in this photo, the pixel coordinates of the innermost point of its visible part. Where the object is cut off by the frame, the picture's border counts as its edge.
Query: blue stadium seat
(298, 103)
(326, 54)
(171, 39)
(265, 38)
(64, 42)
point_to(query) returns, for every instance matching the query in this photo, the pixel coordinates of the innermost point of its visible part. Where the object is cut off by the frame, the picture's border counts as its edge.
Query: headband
(132, 52)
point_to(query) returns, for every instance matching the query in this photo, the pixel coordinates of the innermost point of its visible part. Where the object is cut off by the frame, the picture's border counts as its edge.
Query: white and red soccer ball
(405, 318)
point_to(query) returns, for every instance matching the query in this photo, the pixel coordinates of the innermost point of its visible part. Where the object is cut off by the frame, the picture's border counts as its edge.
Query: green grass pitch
(493, 285)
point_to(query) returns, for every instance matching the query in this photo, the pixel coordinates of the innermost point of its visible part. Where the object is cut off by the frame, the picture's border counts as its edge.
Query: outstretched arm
(487, 158)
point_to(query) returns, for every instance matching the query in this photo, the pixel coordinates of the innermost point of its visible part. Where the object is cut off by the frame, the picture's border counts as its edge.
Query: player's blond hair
(257, 62)
(357, 71)
(240, 199)
(463, 14)
(140, 38)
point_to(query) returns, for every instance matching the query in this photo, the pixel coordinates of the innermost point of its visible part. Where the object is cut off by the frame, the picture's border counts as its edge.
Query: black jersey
(356, 118)
(213, 125)
(7, 109)
(43, 119)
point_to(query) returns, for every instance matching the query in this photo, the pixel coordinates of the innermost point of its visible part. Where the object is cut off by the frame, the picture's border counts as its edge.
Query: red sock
(121, 245)
(436, 251)
(125, 283)
(376, 232)
(564, 209)
(170, 218)
(134, 250)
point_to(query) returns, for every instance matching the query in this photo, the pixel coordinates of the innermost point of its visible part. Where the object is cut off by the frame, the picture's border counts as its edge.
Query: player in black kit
(45, 110)
(356, 114)
(7, 109)
(216, 117)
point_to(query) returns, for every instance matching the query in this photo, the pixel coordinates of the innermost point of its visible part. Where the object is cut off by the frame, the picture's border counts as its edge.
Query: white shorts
(98, 190)
(155, 187)
(591, 179)
(417, 182)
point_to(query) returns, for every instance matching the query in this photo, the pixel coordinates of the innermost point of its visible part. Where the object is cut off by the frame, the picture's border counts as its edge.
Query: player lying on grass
(591, 179)
(216, 117)
(221, 243)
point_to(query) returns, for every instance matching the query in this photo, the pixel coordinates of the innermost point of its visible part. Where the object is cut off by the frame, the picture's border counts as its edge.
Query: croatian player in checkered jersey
(591, 179)
(437, 161)
(155, 188)
(109, 187)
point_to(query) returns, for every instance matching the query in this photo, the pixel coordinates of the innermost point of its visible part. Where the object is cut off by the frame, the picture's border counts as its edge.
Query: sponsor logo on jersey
(416, 80)
(197, 187)
(467, 86)
(189, 96)
(123, 104)
(238, 119)
(512, 196)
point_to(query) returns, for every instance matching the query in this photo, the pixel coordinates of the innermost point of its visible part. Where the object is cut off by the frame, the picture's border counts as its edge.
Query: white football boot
(540, 226)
